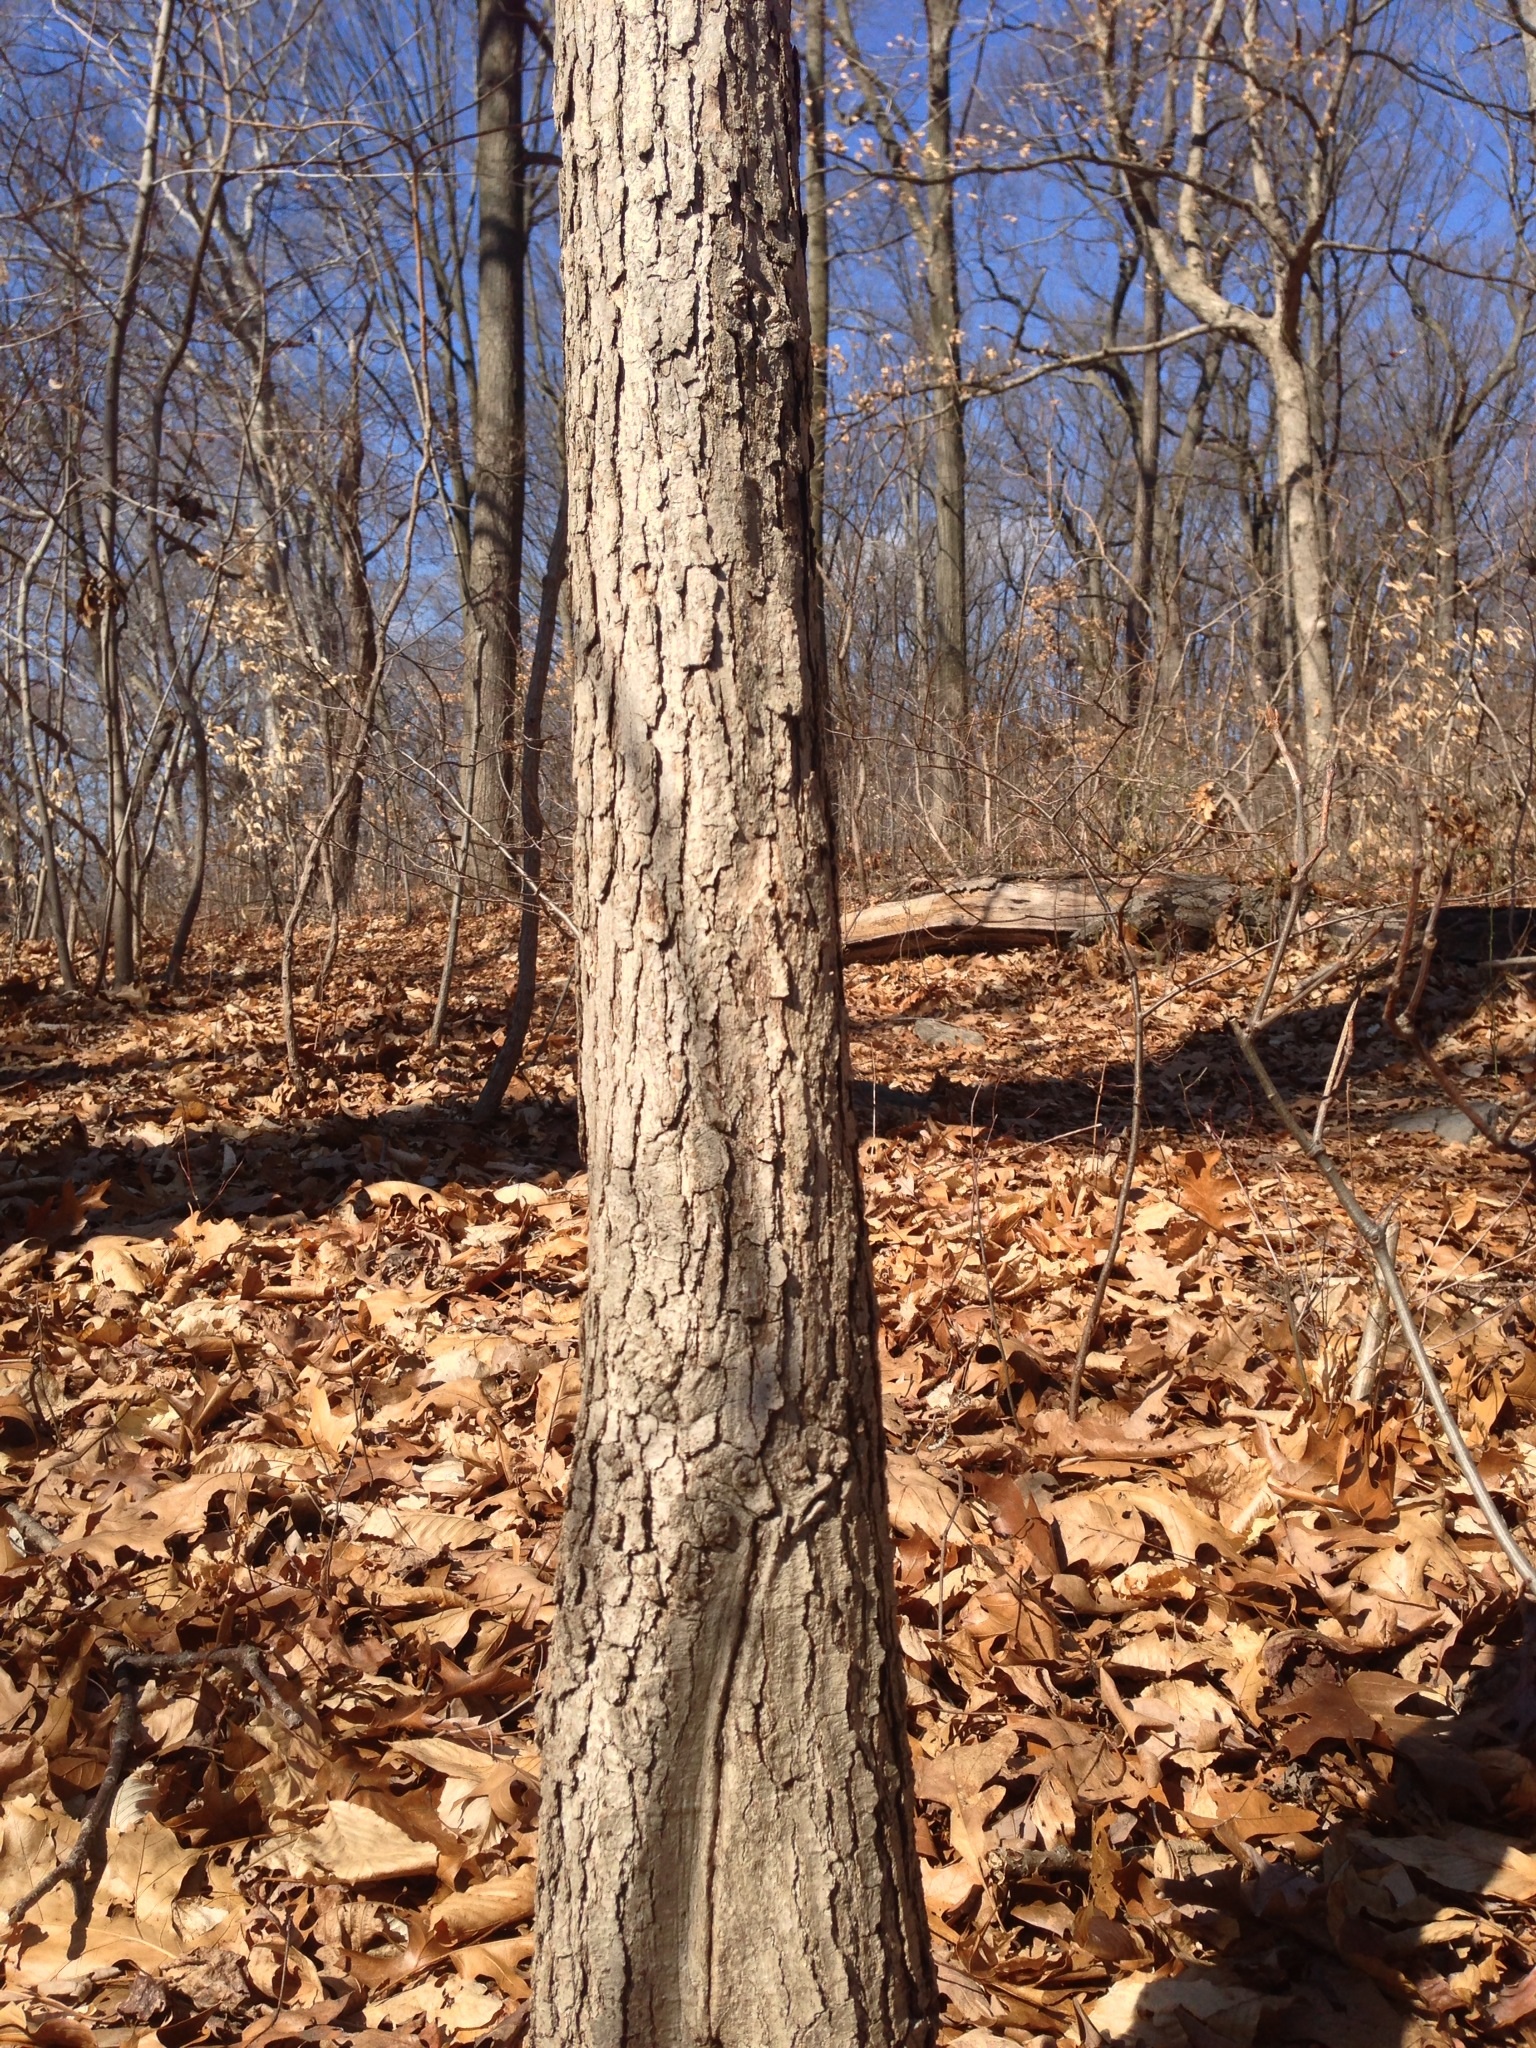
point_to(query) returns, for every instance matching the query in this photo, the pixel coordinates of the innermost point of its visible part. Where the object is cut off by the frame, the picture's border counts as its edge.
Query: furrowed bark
(726, 1851)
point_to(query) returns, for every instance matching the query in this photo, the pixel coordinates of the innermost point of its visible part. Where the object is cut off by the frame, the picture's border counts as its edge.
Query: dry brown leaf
(1516, 2004)
(396, 1312)
(423, 1528)
(1188, 1529)
(514, 1589)
(949, 1887)
(959, 1772)
(1198, 1720)
(411, 1192)
(1098, 1529)
(924, 1505)
(502, 1962)
(146, 1526)
(1468, 1860)
(133, 1912)
(1029, 1634)
(1143, 2010)
(132, 1265)
(481, 1908)
(210, 1241)
(352, 1844)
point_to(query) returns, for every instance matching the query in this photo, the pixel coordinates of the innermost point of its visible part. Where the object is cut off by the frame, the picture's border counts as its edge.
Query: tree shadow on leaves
(1400, 1925)
(1202, 1083)
(62, 1186)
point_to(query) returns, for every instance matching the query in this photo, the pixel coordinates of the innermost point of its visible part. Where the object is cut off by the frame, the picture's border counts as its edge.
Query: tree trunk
(109, 596)
(818, 265)
(1306, 563)
(48, 889)
(726, 1856)
(194, 896)
(531, 844)
(494, 623)
(995, 913)
(1447, 541)
(1140, 661)
(949, 705)
(118, 930)
(362, 645)
(1169, 543)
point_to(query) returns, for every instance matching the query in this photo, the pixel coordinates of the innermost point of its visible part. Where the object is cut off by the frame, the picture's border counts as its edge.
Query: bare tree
(925, 172)
(1288, 106)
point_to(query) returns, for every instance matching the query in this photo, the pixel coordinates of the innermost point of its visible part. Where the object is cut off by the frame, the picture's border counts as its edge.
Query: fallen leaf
(130, 1264)
(498, 1902)
(1098, 1529)
(1188, 1529)
(147, 1526)
(423, 1528)
(1516, 2004)
(949, 1887)
(352, 1844)
(1468, 1860)
(1144, 2010)
(921, 1504)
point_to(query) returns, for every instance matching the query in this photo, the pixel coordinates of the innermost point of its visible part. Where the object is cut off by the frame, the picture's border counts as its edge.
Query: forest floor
(1223, 1701)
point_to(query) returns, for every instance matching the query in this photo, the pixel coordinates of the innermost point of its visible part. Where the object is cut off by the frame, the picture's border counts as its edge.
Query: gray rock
(933, 1031)
(1450, 1126)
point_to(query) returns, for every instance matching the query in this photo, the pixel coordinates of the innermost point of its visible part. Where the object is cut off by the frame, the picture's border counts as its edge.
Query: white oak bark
(726, 1855)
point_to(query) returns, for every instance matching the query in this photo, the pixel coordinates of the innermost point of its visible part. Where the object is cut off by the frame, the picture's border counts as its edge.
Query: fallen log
(994, 913)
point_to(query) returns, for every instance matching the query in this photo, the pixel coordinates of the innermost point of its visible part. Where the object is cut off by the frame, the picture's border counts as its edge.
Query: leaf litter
(1221, 1701)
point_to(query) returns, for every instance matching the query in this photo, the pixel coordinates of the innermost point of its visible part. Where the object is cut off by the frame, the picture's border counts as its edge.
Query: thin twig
(1427, 951)
(88, 1856)
(1373, 1339)
(1343, 1053)
(1302, 875)
(82, 1867)
(1127, 1180)
(1374, 1236)
(1405, 943)
(1334, 971)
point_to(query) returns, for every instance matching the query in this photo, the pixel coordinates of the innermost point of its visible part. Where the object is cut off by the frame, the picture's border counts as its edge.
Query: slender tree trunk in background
(1140, 658)
(118, 929)
(1307, 569)
(179, 668)
(192, 902)
(106, 600)
(48, 890)
(1169, 544)
(726, 1842)
(950, 701)
(363, 647)
(531, 841)
(1523, 15)
(493, 627)
(920, 605)
(818, 264)
(1446, 540)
